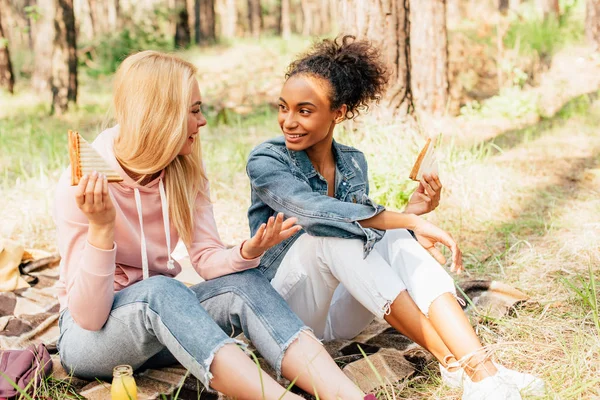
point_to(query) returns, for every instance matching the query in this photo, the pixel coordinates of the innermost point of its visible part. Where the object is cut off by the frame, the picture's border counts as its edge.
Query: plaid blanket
(30, 315)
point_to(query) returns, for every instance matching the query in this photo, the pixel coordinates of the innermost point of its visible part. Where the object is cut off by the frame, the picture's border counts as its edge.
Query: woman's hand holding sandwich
(427, 196)
(94, 201)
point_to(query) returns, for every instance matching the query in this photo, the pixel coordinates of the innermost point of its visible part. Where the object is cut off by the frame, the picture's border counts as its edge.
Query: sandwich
(85, 160)
(426, 162)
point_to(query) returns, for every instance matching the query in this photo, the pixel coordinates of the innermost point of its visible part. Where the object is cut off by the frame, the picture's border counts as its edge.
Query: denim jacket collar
(301, 160)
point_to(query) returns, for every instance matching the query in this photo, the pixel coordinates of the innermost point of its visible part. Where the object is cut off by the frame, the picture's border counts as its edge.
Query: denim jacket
(285, 181)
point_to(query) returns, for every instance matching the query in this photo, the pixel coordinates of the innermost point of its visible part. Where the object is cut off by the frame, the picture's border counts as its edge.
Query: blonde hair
(152, 94)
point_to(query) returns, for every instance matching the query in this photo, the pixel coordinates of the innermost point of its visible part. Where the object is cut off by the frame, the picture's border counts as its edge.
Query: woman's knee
(159, 291)
(439, 285)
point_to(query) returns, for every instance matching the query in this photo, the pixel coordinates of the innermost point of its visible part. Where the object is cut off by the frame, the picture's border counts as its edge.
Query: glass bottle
(123, 385)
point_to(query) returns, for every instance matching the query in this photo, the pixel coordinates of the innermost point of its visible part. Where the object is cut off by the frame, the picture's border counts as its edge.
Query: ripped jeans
(158, 321)
(337, 292)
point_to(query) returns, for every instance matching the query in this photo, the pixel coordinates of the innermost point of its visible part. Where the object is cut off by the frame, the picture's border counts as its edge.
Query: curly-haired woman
(358, 260)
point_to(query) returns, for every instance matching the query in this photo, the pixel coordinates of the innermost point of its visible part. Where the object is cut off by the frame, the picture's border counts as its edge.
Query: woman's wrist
(101, 236)
(391, 220)
(247, 251)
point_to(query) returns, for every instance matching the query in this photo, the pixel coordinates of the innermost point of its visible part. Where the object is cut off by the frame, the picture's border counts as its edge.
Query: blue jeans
(158, 321)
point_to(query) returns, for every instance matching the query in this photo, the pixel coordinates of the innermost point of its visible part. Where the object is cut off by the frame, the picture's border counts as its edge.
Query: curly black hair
(354, 69)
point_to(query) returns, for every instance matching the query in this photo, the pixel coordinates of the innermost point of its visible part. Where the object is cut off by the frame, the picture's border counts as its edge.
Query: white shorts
(334, 290)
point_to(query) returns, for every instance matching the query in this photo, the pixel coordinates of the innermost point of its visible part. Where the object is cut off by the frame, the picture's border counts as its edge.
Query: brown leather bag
(21, 367)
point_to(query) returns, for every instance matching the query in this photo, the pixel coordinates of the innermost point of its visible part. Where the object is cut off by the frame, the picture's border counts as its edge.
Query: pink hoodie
(89, 276)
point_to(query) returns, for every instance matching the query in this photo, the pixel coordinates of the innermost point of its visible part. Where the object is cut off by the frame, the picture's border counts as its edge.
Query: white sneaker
(454, 378)
(527, 383)
(490, 388)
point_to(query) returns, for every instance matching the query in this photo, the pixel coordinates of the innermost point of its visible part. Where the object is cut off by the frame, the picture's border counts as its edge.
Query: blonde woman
(119, 301)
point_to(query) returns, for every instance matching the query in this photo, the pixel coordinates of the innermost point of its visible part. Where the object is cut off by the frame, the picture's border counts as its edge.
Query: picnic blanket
(30, 315)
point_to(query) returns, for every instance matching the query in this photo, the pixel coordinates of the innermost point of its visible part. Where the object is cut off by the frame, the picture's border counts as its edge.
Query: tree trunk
(285, 26)
(592, 23)
(548, 8)
(325, 17)
(254, 17)
(205, 22)
(7, 78)
(64, 57)
(429, 56)
(385, 23)
(182, 27)
(307, 17)
(43, 44)
(228, 18)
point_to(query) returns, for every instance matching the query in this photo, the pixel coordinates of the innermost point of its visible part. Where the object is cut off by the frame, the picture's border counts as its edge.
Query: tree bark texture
(307, 17)
(285, 26)
(43, 44)
(182, 26)
(227, 12)
(385, 23)
(254, 17)
(64, 57)
(429, 56)
(104, 15)
(548, 8)
(7, 78)
(592, 22)
(205, 22)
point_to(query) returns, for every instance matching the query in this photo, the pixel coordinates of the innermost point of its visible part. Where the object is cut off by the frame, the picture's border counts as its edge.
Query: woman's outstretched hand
(428, 235)
(427, 196)
(276, 230)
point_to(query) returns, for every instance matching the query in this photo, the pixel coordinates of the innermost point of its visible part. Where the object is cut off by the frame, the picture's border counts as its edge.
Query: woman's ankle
(450, 363)
(481, 370)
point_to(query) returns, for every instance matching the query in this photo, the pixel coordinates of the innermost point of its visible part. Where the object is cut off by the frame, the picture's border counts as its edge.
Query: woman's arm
(212, 259)
(319, 215)
(391, 220)
(208, 255)
(84, 217)
(427, 234)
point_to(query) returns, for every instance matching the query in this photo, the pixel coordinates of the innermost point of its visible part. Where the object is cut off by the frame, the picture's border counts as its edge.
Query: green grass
(529, 34)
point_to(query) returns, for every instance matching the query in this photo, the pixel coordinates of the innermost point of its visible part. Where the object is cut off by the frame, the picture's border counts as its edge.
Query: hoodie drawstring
(165, 210)
(138, 204)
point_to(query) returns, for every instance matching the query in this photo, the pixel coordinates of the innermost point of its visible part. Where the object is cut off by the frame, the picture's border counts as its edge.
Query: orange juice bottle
(123, 385)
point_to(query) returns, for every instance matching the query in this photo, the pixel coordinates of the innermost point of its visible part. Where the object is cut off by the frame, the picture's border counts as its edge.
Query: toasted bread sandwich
(426, 162)
(85, 160)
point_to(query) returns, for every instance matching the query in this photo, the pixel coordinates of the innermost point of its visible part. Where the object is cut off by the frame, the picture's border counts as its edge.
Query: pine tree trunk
(43, 44)
(182, 27)
(228, 18)
(64, 57)
(385, 23)
(205, 22)
(254, 17)
(307, 17)
(285, 26)
(325, 17)
(592, 23)
(548, 8)
(197, 33)
(429, 56)
(7, 78)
